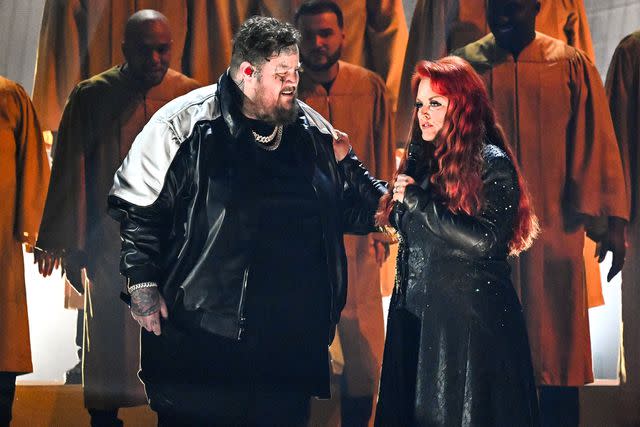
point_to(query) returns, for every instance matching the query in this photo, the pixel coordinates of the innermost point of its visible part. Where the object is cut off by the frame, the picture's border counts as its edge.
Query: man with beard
(551, 102)
(232, 204)
(353, 99)
(100, 121)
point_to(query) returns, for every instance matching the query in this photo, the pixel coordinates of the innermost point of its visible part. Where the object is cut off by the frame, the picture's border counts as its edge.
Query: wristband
(141, 286)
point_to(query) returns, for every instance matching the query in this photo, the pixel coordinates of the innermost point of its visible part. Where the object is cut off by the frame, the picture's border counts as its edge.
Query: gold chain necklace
(265, 142)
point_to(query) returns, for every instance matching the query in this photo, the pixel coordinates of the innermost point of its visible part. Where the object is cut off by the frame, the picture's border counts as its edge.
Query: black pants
(355, 411)
(214, 405)
(193, 377)
(104, 417)
(7, 394)
(559, 406)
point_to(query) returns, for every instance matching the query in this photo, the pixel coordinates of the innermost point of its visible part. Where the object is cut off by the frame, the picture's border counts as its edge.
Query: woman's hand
(400, 185)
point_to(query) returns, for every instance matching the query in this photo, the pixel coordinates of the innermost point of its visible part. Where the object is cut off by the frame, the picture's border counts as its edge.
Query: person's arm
(32, 167)
(142, 199)
(479, 234)
(64, 221)
(621, 87)
(361, 196)
(596, 178)
(360, 191)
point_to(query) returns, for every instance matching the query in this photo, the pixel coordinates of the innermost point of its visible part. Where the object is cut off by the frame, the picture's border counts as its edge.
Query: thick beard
(285, 116)
(331, 60)
(281, 116)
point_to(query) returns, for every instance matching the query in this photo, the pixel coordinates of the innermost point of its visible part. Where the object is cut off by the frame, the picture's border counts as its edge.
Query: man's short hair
(259, 38)
(315, 7)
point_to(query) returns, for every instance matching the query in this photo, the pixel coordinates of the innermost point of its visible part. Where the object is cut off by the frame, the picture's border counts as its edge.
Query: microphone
(415, 152)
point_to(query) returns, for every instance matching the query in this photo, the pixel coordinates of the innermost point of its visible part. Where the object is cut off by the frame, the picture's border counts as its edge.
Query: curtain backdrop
(20, 22)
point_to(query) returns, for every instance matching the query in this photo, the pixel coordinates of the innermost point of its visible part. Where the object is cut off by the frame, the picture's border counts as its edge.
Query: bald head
(147, 47)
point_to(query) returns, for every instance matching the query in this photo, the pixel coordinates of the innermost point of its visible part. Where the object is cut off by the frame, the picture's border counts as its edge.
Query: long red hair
(457, 151)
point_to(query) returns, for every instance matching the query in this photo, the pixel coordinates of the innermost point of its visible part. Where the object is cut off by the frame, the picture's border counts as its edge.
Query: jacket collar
(230, 99)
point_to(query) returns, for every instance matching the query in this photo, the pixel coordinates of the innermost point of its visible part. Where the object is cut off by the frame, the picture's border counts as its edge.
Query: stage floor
(62, 406)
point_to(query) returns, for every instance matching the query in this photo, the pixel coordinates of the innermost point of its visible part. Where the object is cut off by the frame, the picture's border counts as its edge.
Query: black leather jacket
(442, 248)
(186, 225)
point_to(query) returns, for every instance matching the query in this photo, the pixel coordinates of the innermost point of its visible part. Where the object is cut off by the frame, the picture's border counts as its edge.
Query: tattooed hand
(147, 305)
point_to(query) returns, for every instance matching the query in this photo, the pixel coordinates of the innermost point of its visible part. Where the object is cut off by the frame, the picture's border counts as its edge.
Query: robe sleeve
(595, 185)
(622, 91)
(387, 40)
(64, 220)
(32, 171)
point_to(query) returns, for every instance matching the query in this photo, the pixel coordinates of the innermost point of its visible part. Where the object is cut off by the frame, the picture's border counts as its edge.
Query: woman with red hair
(457, 351)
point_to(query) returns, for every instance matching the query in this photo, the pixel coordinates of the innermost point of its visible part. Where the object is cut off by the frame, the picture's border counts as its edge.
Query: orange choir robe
(24, 177)
(552, 106)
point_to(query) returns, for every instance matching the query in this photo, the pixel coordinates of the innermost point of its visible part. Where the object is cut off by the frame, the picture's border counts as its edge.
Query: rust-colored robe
(357, 104)
(101, 119)
(623, 90)
(77, 41)
(24, 177)
(552, 106)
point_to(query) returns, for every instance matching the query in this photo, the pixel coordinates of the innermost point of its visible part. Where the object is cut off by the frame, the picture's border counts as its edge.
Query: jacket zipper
(326, 260)
(241, 318)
